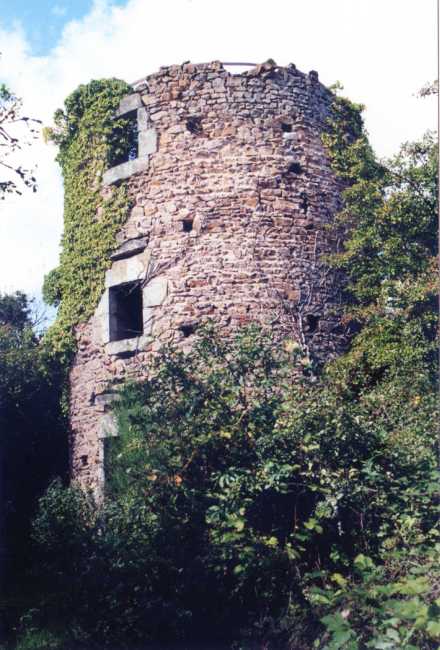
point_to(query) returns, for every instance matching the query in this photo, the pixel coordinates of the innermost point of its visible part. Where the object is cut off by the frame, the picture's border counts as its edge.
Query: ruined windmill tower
(232, 190)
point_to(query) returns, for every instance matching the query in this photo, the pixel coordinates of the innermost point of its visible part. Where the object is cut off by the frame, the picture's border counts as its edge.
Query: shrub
(236, 483)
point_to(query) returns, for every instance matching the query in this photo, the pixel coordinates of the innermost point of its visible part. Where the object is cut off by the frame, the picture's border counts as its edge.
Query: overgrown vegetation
(33, 446)
(240, 504)
(89, 137)
(251, 504)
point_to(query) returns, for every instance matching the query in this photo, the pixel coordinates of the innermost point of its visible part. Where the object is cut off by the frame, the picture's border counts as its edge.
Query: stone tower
(232, 190)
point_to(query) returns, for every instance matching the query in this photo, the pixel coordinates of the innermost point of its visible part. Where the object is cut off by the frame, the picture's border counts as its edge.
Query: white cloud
(383, 52)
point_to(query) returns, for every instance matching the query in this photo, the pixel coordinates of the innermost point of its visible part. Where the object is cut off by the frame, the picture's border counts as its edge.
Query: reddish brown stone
(259, 233)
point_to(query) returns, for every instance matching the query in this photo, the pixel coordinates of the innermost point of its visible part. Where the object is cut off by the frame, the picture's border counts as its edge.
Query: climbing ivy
(89, 138)
(346, 141)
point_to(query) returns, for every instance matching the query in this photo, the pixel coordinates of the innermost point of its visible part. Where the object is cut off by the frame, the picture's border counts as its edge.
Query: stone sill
(127, 346)
(125, 170)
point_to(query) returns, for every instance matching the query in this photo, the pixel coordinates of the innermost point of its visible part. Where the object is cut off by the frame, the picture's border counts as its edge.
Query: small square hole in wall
(194, 125)
(187, 225)
(295, 168)
(188, 329)
(286, 127)
(125, 307)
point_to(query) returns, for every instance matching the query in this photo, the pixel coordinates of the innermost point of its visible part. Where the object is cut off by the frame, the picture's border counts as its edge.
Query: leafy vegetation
(33, 446)
(394, 604)
(89, 139)
(252, 504)
(236, 495)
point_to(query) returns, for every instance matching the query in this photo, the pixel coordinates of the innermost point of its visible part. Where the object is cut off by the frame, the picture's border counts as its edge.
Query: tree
(15, 131)
(33, 444)
(247, 499)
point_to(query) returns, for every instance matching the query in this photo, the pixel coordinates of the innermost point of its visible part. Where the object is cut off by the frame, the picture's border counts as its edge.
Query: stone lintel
(127, 269)
(128, 104)
(104, 400)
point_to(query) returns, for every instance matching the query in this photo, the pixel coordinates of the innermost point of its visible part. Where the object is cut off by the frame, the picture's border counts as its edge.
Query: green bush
(391, 605)
(33, 441)
(235, 477)
(251, 501)
(40, 640)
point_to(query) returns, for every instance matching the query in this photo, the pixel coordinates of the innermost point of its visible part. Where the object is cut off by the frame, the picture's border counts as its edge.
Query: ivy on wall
(346, 141)
(89, 138)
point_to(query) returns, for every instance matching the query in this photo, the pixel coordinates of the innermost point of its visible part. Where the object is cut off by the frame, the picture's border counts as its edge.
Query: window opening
(84, 460)
(124, 140)
(312, 322)
(304, 202)
(125, 306)
(286, 127)
(187, 225)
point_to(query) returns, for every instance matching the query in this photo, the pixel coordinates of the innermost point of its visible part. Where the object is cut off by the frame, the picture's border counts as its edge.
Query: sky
(42, 20)
(382, 51)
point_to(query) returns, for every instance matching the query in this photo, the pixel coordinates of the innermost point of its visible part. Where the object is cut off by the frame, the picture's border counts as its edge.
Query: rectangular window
(124, 140)
(125, 306)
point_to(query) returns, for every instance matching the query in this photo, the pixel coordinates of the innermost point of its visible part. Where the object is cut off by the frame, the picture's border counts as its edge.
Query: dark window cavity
(304, 202)
(124, 140)
(194, 125)
(187, 225)
(125, 307)
(286, 127)
(312, 322)
(84, 460)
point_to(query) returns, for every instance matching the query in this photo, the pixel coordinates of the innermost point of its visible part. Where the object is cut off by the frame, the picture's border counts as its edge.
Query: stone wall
(232, 190)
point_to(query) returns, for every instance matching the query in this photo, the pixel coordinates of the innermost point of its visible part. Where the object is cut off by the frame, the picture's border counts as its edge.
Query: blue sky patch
(43, 20)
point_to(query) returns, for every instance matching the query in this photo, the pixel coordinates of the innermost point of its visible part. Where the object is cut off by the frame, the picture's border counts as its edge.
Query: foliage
(15, 311)
(34, 639)
(248, 501)
(230, 484)
(33, 443)
(392, 605)
(389, 257)
(154, 559)
(15, 130)
(389, 210)
(89, 139)
(52, 287)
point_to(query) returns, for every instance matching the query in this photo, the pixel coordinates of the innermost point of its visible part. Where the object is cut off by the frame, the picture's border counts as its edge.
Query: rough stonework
(232, 190)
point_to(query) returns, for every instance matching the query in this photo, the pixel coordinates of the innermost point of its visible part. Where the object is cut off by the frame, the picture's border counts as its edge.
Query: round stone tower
(232, 192)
